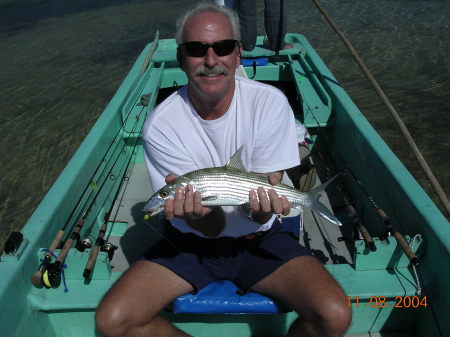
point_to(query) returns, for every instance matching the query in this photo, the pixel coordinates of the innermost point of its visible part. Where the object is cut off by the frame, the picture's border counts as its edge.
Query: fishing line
(120, 152)
(56, 241)
(161, 234)
(107, 163)
(100, 241)
(127, 170)
(124, 179)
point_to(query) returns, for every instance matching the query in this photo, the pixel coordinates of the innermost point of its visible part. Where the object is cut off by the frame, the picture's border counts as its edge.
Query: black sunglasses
(199, 49)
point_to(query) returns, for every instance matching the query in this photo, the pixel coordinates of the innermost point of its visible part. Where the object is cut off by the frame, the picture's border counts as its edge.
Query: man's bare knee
(333, 318)
(110, 323)
(338, 317)
(329, 319)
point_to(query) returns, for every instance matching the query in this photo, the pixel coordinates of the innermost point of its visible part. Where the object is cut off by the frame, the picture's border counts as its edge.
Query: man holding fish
(213, 232)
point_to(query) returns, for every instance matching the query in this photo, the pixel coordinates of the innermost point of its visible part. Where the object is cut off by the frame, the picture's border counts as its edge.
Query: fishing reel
(105, 246)
(51, 277)
(109, 248)
(83, 244)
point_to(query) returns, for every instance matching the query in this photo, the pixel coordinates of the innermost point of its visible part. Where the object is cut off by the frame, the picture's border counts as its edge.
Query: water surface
(61, 63)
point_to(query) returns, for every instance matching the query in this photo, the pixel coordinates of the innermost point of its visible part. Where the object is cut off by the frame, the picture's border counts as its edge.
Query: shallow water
(61, 62)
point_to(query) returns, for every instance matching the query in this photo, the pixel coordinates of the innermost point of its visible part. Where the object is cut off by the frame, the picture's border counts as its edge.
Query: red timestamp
(384, 302)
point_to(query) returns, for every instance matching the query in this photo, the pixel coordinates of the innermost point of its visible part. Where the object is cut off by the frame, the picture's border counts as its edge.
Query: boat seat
(222, 297)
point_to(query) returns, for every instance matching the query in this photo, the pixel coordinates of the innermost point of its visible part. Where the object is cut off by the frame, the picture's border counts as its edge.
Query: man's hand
(186, 205)
(264, 204)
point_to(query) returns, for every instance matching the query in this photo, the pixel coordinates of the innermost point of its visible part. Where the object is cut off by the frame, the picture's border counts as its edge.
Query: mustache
(214, 71)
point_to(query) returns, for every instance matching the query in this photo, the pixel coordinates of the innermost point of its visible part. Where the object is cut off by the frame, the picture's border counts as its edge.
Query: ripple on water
(61, 64)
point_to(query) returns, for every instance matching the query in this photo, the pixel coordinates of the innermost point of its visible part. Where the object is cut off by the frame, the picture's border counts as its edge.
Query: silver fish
(230, 185)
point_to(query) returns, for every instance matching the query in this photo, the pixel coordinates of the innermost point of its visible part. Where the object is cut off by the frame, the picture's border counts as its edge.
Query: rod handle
(56, 240)
(367, 238)
(383, 216)
(36, 278)
(91, 262)
(75, 234)
(94, 251)
(362, 229)
(405, 247)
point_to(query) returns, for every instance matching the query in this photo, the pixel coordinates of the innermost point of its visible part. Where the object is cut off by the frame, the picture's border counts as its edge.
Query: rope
(419, 291)
(422, 162)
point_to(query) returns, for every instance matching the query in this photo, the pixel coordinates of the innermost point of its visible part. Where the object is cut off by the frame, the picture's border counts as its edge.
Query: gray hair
(208, 7)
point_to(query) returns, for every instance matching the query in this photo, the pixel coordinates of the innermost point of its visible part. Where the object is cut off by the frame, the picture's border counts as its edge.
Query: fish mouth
(153, 207)
(152, 212)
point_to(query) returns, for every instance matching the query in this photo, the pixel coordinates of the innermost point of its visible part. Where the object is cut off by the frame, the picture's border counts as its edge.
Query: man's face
(210, 76)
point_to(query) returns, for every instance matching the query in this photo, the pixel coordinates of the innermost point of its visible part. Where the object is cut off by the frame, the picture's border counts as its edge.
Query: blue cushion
(221, 297)
(259, 61)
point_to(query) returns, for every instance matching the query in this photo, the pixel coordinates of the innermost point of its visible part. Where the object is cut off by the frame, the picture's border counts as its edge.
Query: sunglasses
(199, 49)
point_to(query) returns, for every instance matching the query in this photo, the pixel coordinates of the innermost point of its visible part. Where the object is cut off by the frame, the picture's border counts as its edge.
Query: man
(202, 125)
(275, 20)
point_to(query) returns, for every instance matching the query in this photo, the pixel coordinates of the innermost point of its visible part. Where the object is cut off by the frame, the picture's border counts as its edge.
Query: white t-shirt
(177, 140)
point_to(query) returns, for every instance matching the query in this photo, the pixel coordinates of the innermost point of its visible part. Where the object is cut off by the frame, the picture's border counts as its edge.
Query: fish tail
(319, 207)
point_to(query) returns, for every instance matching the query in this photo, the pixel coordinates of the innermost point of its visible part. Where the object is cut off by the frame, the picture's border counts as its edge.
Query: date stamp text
(384, 302)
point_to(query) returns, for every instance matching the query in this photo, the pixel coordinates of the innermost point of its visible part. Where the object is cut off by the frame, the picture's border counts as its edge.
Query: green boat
(53, 274)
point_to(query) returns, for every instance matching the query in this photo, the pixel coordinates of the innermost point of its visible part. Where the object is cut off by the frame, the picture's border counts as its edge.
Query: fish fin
(320, 208)
(315, 191)
(324, 212)
(236, 160)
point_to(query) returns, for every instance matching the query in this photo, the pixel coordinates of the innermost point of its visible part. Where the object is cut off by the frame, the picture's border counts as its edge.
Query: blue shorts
(244, 261)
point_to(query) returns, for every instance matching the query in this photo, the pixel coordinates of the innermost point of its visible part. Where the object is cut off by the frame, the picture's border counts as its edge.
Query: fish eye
(163, 194)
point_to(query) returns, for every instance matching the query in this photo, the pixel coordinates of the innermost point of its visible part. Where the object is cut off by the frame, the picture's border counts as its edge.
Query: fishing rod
(51, 277)
(96, 249)
(144, 65)
(100, 241)
(351, 209)
(390, 230)
(36, 278)
(359, 226)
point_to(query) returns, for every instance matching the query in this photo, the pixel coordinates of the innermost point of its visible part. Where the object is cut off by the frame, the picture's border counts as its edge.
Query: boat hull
(339, 127)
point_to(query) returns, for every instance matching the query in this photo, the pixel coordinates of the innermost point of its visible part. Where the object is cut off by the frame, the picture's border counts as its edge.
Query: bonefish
(230, 185)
